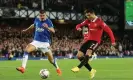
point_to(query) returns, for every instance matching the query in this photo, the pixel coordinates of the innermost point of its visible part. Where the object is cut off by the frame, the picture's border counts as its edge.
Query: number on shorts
(93, 46)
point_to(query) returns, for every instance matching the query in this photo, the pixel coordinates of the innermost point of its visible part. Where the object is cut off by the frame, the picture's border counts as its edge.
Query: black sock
(84, 61)
(87, 65)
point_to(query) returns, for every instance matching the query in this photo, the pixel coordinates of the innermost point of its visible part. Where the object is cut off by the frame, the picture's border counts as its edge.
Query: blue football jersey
(42, 34)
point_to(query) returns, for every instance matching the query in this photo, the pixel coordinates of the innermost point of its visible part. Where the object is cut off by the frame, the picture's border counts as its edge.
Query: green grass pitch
(107, 69)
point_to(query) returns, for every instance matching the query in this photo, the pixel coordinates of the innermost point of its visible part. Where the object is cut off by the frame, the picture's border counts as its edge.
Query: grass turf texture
(107, 69)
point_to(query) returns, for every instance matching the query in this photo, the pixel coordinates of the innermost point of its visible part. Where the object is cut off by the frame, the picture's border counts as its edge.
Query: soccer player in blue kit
(43, 26)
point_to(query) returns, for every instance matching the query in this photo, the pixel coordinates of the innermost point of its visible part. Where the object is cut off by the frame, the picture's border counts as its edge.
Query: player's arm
(79, 26)
(51, 29)
(107, 29)
(31, 27)
(49, 26)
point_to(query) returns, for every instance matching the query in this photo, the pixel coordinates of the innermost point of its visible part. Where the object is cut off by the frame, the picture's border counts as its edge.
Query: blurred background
(16, 15)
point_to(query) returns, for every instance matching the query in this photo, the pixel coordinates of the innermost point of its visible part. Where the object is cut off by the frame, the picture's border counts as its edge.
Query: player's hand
(24, 30)
(113, 48)
(114, 44)
(45, 25)
(79, 29)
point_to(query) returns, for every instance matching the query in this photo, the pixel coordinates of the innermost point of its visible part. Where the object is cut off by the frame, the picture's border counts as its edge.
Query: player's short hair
(42, 11)
(90, 10)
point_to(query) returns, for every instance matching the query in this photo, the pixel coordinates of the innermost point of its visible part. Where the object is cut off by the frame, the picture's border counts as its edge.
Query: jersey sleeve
(35, 21)
(50, 24)
(81, 24)
(107, 29)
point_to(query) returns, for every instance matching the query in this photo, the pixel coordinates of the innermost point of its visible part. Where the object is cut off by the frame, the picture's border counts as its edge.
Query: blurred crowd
(21, 4)
(37, 4)
(64, 43)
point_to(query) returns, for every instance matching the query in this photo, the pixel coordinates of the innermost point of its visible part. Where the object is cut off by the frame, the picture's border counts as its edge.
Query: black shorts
(90, 44)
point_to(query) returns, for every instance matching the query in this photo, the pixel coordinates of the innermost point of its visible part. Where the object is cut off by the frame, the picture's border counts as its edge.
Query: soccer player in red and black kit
(96, 26)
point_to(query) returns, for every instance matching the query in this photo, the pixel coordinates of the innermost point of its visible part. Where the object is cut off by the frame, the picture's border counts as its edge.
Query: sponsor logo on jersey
(93, 29)
(39, 29)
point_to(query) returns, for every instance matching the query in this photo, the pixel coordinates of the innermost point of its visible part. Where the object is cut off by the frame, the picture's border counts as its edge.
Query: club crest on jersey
(39, 29)
(94, 25)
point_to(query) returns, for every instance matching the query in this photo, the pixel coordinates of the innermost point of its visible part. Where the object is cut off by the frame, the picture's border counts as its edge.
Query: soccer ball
(44, 73)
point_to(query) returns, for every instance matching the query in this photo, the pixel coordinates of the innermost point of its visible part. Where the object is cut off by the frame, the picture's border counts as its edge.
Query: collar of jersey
(95, 19)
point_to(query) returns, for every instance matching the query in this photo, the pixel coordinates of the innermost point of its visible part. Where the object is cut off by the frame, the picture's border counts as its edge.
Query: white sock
(55, 64)
(24, 60)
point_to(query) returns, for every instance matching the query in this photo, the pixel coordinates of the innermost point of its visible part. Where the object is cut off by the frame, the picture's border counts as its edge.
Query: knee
(27, 50)
(89, 52)
(79, 55)
(30, 48)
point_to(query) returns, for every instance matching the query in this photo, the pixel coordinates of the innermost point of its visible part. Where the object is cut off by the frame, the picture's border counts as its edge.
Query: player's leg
(86, 58)
(85, 61)
(89, 47)
(51, 59)
(82, 50)
(93, 71)
(28, 50)
(80, 56)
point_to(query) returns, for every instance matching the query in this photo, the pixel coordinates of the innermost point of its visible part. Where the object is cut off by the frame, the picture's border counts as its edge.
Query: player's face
(43, 16)
(90, 16)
